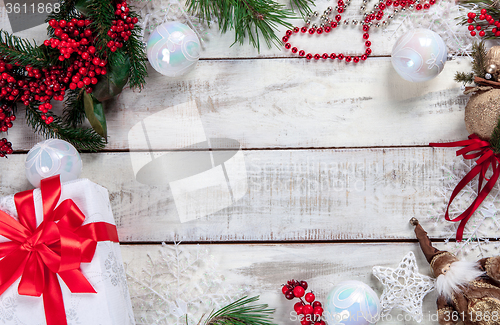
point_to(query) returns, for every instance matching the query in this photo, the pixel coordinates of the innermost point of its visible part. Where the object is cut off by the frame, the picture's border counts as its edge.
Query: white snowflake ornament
(404, 287)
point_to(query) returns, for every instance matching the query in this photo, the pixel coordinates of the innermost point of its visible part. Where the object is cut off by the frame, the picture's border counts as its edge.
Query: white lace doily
(178, 286)
(404, 287)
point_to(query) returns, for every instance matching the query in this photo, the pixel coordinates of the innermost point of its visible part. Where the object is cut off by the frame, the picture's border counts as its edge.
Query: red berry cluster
(122, 26)
(482, 28)
(76, 37)
(6, 118)
(5, 147)
(310, 311)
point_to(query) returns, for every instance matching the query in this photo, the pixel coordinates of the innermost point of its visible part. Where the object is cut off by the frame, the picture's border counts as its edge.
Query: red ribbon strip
(56, 247)
(474, 148)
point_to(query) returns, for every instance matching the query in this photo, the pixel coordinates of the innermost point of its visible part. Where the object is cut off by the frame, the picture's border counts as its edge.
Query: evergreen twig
(241, 312)
(495, 139)
(135, 49)
(74, 110)
(102, 13)
(464, 77)
(82, 139)
(16, 49)
(479, 56)
(493, 8)
(248, 18)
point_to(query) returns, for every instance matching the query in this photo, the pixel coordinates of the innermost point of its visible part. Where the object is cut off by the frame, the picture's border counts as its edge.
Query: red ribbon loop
(56, 247)
(473, 148)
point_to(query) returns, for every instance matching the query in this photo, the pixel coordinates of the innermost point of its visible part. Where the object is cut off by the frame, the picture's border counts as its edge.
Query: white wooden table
(336, 155)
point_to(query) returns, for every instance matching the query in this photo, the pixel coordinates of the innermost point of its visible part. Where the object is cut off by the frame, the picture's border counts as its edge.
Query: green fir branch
(102, 14)
(82, 139)
(16, 49)
(241, 312)
(479, 56)
(248, 18)
(74, 110)
(136, 52)
(464, 77)
(495, 139)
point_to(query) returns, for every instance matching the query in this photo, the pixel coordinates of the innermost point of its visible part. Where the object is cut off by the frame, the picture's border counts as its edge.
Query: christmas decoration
(63, 242)
(404, 287)
(419, 55)
(240, 312)
(52, 157)
(477, 232)
(352, 303)
(310, 312)
(94, 50)
(468, 291)
(250, 19)
(180, 283)
(328, 24)
(479, 119)
(488, 15)
(173, 49)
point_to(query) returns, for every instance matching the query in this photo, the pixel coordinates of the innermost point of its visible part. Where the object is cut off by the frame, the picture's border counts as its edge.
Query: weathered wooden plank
(286, 103)
(262, 269)
(354, 194)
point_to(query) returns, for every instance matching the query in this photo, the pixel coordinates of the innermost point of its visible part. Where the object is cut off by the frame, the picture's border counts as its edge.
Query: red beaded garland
(376, 15)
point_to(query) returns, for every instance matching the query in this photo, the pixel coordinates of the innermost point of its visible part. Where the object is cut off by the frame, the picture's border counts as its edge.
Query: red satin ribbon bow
(56, 247)
(474, 148)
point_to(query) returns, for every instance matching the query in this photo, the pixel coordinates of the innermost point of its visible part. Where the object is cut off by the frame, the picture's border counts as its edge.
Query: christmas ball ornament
(492, 68)
(482, 113)
(173, 49)
(493, 57)
(352, 303)
(419, 55)
(52, 157)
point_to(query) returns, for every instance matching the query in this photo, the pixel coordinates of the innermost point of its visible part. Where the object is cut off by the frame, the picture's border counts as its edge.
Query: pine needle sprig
(495, 139)
(101, 13)
(248, 18)
(464, 77)
(137, 55)
(74, 110)
(479, 56)
(16, 49)
(302, 6)
(82, 139)
(241, 312)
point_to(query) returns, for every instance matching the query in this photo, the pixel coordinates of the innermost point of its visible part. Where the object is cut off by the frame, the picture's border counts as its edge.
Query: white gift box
(111, 304)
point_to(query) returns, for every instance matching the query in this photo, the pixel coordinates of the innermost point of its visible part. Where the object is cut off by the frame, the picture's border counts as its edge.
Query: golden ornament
(482, 113)
(493, 56)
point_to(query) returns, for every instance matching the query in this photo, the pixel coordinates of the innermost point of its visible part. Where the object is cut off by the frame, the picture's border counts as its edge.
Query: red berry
(298, 307)
(473, 33)
(305, 322)
(299, 291)
(308, 309)
(318, 311)
(483, 11)
(316, 304)
(482, 33)
(285, 289)
(289, 295)
(310, 297)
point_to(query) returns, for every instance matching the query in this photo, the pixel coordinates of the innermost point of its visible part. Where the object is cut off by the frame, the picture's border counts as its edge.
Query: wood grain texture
(293, 195)
(292, 103)
(265, 267)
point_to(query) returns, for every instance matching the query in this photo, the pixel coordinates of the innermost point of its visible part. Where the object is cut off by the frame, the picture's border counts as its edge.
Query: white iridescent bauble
(419, 55)
(173, 49)
(52, 157)
(352, 303)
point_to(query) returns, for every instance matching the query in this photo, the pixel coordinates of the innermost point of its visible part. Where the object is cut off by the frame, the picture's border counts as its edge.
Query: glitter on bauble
(173, 49)
(52, 157)
(352, 303)
(419, 55)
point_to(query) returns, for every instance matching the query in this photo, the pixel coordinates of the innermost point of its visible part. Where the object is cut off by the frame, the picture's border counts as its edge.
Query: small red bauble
(310, 297)
(299, 291)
